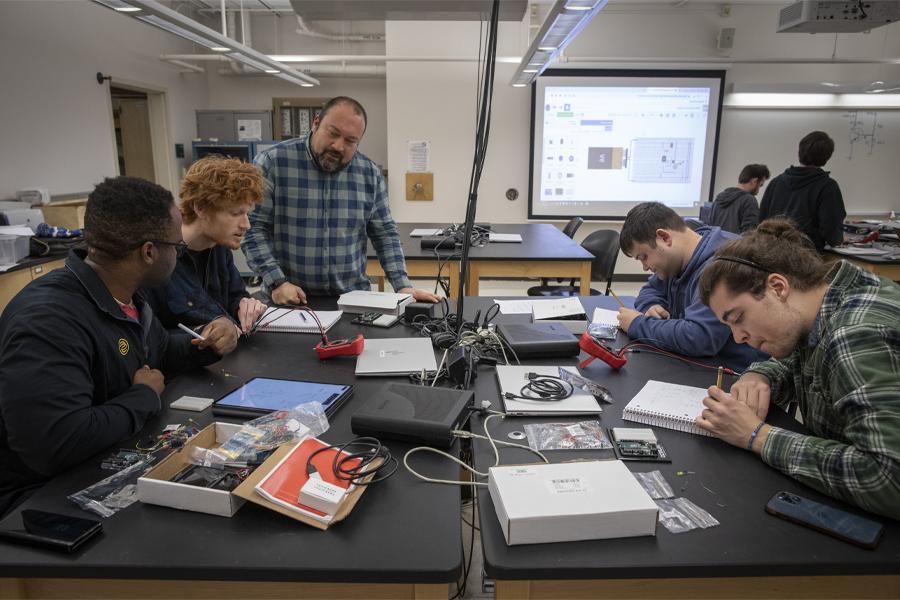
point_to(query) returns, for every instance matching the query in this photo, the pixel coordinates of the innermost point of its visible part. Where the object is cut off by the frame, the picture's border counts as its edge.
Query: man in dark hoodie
(807, 195)
(82, 358)
(669, 312)
(735, 208)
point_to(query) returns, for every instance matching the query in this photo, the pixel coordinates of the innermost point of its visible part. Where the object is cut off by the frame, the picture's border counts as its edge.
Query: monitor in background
(603, 141)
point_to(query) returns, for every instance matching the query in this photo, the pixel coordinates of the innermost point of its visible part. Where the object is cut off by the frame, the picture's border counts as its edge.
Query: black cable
(355, 474)
(862, 11)
(542, 388)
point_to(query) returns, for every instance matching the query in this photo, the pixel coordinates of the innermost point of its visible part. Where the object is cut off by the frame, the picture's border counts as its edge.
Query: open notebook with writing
(294, 320)
(667, 405)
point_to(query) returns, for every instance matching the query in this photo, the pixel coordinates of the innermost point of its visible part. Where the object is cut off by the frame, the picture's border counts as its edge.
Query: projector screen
(603, 141)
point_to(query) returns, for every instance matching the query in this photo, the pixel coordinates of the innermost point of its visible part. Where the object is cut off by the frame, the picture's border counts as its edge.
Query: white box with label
(567, 502)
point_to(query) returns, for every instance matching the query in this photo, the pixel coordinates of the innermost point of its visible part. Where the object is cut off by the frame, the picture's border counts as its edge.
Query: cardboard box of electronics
(65, 213)
(565, 502)
(155, 486)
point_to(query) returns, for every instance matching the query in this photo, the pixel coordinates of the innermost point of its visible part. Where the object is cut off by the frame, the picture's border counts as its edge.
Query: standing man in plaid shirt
(322, 201)
(834, 335)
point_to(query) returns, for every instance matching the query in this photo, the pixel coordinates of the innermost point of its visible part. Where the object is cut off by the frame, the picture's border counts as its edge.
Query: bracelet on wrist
(754, 434)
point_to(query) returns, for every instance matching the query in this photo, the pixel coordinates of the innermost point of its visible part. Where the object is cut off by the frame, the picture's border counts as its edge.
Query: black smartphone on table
(49, 530)
(826, 519)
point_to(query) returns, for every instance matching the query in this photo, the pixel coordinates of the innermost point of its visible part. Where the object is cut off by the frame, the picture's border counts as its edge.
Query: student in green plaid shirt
(834, 335)
(322, 201)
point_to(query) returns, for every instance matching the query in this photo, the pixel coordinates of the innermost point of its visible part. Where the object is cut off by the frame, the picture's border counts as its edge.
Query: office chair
(604, 245)
(693, 223)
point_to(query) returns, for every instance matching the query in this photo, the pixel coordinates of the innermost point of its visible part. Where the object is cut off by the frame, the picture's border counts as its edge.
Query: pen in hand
(190, 331)
(622, 304)
(719, 379)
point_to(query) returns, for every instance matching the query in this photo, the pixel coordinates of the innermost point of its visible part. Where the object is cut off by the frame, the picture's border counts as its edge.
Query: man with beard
(322, 200)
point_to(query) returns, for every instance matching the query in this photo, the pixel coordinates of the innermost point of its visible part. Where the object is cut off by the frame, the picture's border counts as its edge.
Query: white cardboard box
(570, 501)
(362, 301)
(154, 486)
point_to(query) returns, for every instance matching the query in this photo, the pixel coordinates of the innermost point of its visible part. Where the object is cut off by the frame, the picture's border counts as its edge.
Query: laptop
(396, 356)
(512, 378)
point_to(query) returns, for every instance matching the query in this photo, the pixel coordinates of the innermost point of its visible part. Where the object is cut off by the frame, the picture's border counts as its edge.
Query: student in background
(834, 335)
(669, 312)
(82, 358)
(735, 208)
(206, 290)
(808, 195)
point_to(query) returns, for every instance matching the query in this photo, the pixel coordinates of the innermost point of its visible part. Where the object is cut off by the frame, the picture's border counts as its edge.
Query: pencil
(622, 304)
(719, 379)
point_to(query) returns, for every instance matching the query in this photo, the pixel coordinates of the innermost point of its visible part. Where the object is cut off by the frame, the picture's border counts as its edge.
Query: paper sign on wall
(419, 157)
(249, 129)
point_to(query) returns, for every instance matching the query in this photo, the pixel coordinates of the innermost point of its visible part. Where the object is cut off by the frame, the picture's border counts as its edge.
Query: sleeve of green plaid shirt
(780, 375)
(382, 230)
(856, 453)
(257, 244)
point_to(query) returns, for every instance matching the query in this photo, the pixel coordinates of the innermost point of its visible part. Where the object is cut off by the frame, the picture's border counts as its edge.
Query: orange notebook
(282, 484)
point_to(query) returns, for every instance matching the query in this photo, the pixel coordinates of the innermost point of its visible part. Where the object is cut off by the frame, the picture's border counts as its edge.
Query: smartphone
(826, 519)
(47, 529)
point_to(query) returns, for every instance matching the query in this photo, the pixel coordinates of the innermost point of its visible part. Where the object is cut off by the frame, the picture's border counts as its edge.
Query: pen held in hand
(622, 304)
(190, 331)
(719, 379)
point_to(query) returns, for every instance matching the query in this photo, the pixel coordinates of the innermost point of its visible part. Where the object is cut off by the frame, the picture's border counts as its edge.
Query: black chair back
(604, 245)
(572, 226)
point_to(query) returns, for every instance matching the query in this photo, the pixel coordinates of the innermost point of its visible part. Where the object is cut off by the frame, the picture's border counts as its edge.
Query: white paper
(606, 317)
(424, 232)
(554, 309)
(515, 307)
(419, 157)
(249, 129)
(16, 230)
(854, 251)
(504, 237)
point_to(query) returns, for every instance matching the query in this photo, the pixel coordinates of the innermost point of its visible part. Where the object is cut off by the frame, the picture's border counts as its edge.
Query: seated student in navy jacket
(669, 312)
(82, 358)
(206, 290)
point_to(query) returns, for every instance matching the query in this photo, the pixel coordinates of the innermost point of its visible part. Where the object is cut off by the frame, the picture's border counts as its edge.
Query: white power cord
(466, 434)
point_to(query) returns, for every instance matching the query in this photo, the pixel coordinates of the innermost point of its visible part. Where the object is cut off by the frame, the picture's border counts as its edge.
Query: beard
(330, 162)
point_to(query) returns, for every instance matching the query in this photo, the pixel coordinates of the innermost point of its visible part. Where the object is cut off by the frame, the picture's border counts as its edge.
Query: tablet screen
(264, 394)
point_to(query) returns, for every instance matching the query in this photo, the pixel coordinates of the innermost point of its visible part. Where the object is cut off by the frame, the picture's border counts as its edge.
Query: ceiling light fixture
(163, 17)
(565, 20)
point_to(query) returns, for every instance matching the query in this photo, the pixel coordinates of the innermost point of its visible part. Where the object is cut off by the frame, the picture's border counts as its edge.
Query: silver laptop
(513, 377)
(396, 356)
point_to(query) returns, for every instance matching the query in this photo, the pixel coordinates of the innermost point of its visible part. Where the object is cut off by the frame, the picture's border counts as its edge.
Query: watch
(278, 282)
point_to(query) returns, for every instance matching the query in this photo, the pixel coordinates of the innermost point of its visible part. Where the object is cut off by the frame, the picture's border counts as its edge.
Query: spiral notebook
(293, 320)
(667, 405)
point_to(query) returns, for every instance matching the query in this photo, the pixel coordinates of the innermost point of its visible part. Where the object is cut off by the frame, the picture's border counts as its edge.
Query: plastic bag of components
(680, 514)
(604, 331)
(583, 383)
(257, 438)
(118, 491)
(655, 484)
(584, 435)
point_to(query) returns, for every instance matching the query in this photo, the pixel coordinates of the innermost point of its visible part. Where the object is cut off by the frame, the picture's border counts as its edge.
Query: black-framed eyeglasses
(744, 261)
(180, 247)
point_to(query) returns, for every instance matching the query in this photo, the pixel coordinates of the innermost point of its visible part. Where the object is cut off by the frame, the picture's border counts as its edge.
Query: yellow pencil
(622, 304)
(719, 379)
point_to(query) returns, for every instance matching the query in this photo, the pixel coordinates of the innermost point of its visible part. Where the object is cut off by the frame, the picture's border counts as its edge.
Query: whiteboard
(865, 163)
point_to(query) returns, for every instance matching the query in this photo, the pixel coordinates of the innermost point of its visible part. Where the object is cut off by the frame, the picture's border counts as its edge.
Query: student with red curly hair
(205, 291)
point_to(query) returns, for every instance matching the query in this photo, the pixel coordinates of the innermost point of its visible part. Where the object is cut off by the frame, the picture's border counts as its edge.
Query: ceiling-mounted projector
(830, 16)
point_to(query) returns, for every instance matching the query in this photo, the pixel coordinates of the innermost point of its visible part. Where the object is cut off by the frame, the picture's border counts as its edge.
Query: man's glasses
(180, 247)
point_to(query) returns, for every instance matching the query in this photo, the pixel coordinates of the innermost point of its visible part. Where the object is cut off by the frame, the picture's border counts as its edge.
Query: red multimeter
(597, 349)
(354, 347)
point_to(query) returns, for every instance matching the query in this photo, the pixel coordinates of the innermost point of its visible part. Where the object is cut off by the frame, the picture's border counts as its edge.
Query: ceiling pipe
(304, 29)
(377, 71)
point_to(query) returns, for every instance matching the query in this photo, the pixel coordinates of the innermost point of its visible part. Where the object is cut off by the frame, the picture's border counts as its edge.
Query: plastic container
(13, 248)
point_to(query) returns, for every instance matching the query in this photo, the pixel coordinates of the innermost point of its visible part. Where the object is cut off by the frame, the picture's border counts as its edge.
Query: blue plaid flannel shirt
(311, 226)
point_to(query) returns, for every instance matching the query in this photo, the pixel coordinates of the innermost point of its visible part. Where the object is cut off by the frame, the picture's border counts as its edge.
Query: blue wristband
(754, 434)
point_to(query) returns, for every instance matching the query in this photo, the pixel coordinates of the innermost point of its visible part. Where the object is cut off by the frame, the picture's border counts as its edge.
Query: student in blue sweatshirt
(669, 312)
